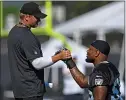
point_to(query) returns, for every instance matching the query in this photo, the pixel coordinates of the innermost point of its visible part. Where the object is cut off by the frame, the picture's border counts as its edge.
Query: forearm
(42, 62)
(79, 77)
(56, 58)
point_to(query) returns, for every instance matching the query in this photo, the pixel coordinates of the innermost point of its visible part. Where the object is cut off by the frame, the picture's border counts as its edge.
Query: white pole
(121, 62)
(46, 74)
(101, 35)
(77, 37)
(55, 77)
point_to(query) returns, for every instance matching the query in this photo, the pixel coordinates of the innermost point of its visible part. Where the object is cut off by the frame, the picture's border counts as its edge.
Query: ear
(97, 53)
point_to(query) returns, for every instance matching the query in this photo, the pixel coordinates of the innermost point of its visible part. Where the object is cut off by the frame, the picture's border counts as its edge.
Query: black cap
(32, 8)
(102, 46)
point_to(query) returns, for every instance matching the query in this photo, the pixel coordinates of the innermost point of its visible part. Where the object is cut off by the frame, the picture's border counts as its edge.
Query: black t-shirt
(23, 48)
(105, 74)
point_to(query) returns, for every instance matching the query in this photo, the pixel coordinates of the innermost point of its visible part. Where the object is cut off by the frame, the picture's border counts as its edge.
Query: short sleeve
(99, 78)
(31, 48)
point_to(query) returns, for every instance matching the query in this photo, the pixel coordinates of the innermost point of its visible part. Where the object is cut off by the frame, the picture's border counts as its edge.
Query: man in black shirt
(25, 56)
(103, 82)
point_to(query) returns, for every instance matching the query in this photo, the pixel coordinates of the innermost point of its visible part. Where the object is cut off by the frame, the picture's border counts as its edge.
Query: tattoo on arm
(80, 78)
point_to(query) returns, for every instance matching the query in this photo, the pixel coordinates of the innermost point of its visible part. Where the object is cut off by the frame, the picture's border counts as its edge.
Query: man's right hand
(61, 55)
(68, 61)
(65, 54)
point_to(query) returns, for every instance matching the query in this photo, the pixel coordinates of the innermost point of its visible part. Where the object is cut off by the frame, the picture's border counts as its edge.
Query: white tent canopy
(110, 16)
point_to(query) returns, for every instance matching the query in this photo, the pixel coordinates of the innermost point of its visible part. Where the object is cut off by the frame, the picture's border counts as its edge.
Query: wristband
(70, 63)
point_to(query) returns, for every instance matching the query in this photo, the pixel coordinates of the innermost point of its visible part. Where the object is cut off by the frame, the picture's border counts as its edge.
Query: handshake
(65, 55)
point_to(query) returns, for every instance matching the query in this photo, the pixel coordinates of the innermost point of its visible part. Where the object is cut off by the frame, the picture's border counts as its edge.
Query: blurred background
(74, 24)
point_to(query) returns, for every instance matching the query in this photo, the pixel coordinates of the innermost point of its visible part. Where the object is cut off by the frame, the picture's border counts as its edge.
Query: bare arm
(100, 92)
(79, 77)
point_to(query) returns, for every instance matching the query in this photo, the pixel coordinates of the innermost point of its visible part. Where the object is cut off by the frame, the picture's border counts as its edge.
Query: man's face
(91, 54)
(33, 21)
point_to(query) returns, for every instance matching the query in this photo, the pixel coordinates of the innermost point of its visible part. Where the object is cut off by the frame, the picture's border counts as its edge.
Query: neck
(99, 60)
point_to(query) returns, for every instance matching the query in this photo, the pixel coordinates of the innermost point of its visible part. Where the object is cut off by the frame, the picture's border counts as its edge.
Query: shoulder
(24, 33)
(102, 70)
(107, 67)
(100, 76)
(102, 67)
(17, 31)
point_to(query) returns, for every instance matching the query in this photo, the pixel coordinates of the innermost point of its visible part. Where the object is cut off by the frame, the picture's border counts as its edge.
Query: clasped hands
(65, 56)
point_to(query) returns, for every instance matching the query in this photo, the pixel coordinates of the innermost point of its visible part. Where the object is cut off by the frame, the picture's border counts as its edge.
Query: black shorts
(31, 98)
